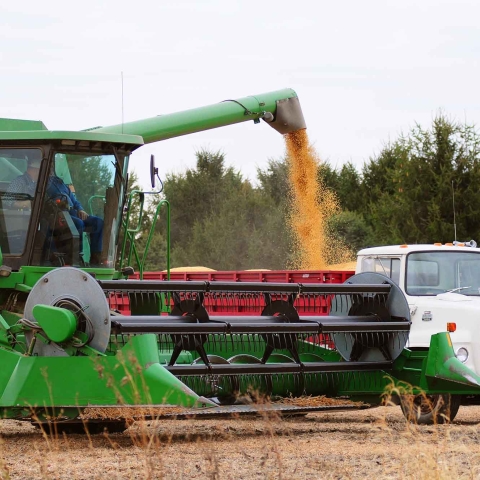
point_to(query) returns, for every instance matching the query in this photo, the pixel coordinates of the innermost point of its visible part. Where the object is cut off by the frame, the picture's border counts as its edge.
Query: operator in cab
(26, 183)
(62, 195)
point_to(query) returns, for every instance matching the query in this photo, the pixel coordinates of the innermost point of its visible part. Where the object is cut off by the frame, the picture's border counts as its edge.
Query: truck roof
(405, 249)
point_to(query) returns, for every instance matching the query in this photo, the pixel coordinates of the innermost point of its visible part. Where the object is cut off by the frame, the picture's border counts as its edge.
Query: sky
(365, 72)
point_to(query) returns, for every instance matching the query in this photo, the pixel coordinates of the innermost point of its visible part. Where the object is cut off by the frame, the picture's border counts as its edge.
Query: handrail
(130, 233)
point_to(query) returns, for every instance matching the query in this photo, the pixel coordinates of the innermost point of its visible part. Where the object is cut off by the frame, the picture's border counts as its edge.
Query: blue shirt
(56, 189)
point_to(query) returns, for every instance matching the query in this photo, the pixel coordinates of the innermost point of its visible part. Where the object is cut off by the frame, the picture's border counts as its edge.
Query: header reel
(366, 330)
(277, 351)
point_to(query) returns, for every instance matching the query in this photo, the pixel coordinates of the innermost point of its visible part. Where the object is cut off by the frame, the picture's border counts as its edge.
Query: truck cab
(442, 285)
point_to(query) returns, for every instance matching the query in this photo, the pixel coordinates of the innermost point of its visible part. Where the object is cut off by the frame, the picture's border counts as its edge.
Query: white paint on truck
(441, 284)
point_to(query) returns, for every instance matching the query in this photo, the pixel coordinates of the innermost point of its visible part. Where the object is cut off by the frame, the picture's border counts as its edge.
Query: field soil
(375, 443)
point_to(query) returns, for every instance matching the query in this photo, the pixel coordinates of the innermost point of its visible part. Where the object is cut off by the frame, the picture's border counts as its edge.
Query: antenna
(454, 220)
(121, 74)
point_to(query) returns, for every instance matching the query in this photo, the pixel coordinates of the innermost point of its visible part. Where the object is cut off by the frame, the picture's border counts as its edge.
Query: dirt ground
(375, 443)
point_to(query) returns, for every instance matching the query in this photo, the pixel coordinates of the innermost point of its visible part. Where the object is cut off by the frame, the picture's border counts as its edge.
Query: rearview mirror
(153, 170)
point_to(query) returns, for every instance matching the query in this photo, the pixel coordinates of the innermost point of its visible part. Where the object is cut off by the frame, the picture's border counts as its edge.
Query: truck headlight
(462, 354)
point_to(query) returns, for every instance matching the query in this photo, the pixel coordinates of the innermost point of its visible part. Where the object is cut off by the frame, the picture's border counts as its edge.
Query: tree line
(404, 194)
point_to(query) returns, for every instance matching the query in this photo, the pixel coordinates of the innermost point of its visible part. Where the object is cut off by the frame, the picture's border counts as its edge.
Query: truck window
(431, 273)
(386, 265)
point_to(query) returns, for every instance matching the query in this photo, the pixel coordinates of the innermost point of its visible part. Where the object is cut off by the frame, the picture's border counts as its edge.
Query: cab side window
(19, 169)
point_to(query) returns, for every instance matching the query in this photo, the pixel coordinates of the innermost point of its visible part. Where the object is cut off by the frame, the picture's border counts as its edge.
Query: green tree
(409, 187)
(221, 221)
(351, 229)
(274, 180)
(246, 232)
(346, 182)
(198, 192)
(349, 191)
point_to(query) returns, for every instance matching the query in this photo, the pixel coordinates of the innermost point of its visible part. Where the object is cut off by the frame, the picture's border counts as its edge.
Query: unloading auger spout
(280, 109)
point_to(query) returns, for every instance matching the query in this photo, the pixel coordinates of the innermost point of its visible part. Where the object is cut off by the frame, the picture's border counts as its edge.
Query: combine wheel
(430, 409)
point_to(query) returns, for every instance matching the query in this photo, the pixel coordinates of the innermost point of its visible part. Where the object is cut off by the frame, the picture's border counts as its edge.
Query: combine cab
(63, 206)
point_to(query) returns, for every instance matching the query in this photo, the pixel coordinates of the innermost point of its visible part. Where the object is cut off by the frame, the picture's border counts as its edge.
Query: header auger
(62, 349)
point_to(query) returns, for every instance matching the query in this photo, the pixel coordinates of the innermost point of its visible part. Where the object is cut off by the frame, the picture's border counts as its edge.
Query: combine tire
(430, 409)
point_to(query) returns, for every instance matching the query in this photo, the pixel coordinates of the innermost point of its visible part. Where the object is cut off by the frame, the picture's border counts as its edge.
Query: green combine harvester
(64, 228)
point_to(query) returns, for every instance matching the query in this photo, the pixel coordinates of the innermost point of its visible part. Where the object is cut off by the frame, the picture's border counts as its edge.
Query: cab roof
(14, 129)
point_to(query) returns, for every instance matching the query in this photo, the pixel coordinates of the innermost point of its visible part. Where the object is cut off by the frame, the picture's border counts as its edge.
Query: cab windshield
(78, 222)
(431, 273)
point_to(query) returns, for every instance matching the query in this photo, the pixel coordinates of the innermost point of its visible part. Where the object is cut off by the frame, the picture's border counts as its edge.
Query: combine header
(63, 350)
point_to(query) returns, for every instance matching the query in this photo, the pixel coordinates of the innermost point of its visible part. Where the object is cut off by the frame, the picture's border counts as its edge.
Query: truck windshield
(431, 273)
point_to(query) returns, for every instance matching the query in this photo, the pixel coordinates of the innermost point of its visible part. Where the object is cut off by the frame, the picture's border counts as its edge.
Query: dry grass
(375, 443)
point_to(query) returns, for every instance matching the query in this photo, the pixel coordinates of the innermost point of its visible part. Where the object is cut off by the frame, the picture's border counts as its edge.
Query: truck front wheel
(430, 409)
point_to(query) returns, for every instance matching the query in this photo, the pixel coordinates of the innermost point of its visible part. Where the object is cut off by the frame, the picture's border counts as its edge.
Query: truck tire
(430, 409)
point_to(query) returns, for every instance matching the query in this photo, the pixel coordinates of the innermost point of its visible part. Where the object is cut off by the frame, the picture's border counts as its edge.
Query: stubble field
(375, 443)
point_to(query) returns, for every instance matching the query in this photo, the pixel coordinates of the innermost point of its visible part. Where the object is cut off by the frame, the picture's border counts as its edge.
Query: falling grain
(312, 204)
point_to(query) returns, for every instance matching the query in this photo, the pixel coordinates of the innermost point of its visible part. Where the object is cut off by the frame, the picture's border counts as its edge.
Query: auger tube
(281, 110)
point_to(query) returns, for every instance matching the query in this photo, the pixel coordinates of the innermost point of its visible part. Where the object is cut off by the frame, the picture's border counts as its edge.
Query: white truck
(442, 285)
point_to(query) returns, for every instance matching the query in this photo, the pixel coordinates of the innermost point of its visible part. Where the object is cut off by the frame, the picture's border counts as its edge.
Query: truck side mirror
(153, 170)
